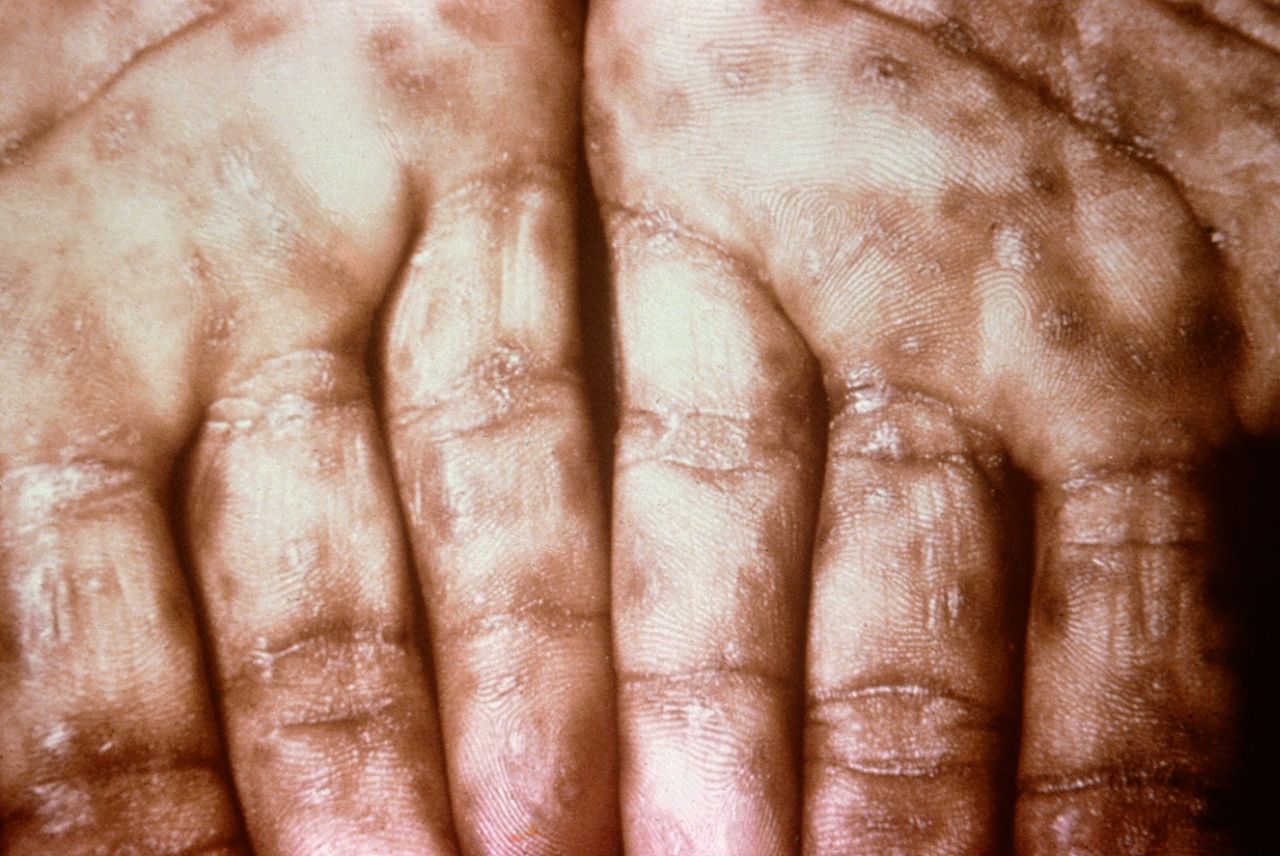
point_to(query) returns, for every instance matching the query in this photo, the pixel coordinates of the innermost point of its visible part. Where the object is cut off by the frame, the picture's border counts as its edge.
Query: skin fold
(933, 325)
(292, 310)
(982, 240)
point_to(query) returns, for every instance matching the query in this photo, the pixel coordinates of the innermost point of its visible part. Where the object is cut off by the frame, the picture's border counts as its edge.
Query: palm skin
(289, 307)
(284, 289)
(970, 238)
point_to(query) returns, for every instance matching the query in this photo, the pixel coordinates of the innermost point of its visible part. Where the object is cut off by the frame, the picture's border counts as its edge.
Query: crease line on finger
(33, 495)
(121, 766)
(906, 768)
(721, 674)
(489, 397)
(547, 618)
(909, 690)
(706, 442)
(388, 637)
(508, 175)
(662, 222)
(1166, 777)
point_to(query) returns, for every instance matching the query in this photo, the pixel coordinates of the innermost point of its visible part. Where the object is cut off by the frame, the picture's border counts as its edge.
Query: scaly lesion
(1187, 90)
(33, 118)
(903, 730)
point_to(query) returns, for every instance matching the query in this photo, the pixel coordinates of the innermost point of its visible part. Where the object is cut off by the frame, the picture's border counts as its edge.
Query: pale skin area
(977, 238)
(326, 262)
(301, 542)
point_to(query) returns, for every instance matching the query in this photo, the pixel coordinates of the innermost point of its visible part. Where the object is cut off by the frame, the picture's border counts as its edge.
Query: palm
(981, 272)
(206, 208)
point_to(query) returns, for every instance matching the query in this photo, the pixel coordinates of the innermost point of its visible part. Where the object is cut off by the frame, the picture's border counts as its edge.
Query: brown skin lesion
(257, 27)
(121, 131)
(65, 84)
(471, 20)
(745, 65)
(423, 85)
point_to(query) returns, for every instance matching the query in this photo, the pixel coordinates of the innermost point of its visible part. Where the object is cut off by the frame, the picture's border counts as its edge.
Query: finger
(492, 443)
(294, 529)
(1125, 742)
(913, 627)
(107, 738)
(712, 523)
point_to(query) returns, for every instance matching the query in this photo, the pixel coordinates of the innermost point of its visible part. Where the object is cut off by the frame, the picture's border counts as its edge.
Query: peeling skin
(1167, 117)
(293, 327)
(36, 496)
(899, 717)
(78, 556)
(323, 704)
(199, 221)
(42, 112)
(992, 243)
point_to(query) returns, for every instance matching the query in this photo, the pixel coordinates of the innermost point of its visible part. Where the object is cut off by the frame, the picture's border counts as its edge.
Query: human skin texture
(288, 302)
(302, 546)
(873, 262)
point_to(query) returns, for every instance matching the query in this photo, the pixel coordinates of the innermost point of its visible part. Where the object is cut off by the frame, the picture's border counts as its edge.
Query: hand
(970, 239)
(211, 213)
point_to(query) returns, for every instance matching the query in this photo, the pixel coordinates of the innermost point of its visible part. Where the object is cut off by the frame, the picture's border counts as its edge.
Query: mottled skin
(971, 237)
(290, 363)
(289, 306)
